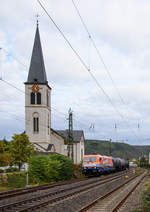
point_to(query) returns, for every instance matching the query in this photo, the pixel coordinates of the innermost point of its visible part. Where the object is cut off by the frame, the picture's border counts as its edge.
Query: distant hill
(115, 149)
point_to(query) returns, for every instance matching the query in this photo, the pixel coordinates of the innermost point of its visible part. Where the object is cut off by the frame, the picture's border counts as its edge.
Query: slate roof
(37, 73)
(77, 134)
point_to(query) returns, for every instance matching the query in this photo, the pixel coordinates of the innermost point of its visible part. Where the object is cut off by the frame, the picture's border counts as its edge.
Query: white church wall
(42, 111)
(58, 142)
(78, 151)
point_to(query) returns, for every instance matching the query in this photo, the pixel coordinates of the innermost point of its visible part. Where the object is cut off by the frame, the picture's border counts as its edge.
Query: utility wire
(28, 95)
(83, 63)
(99, 55)
(22, 90)
(81, 60)
(8, 83)
(14, 58)
(98, 52)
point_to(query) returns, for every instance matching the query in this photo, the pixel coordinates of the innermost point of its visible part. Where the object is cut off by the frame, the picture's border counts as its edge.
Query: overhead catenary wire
(14, 58)
(10, 84)
(81, 60)
(18, 60)
(85, 66)
(22, 90)
(98, 52)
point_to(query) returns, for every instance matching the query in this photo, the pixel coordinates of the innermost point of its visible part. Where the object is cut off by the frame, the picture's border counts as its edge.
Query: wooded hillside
(115, 149)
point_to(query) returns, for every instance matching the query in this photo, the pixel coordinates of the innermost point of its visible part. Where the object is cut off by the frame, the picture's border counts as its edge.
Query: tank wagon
(100, 164)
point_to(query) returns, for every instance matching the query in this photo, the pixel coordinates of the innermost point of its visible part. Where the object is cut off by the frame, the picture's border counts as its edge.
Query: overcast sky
(121, 32)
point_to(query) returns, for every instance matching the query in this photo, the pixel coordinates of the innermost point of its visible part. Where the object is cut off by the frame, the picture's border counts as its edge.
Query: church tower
(37, 99)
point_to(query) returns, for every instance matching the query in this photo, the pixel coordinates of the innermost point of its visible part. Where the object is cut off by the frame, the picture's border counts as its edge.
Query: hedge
(50, 168)
(13, 180)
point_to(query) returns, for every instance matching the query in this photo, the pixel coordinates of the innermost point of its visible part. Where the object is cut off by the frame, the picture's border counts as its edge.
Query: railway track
(31, 189)
(27, 190)
(113, 200)
(53, 196)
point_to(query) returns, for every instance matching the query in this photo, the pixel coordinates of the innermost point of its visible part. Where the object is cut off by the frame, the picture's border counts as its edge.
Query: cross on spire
(37, 19)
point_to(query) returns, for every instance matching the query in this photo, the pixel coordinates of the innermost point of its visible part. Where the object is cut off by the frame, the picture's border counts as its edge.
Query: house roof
(77, 134)
(37, 73)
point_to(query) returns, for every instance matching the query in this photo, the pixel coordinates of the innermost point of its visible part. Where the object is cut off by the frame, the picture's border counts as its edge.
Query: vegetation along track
(113, 200)
(31, 189)
(55, 195)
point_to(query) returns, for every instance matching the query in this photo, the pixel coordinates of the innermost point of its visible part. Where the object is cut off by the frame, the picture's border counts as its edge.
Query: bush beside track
(12, 180)
(42, 169)
(50, 168)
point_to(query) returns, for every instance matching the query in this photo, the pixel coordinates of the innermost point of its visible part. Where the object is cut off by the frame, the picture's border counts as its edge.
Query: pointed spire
(37, 73)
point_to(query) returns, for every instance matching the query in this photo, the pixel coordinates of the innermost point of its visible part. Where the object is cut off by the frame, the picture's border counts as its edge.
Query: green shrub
(1, 171)
(50, 168)
(14, 180)
(66, 169)
(146, 199)
(11, 169)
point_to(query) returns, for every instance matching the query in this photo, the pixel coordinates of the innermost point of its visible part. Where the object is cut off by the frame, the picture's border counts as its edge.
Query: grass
(4, 188)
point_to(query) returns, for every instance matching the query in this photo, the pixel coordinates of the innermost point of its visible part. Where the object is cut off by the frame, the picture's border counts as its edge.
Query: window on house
(35, 123)
(38, 98)
(32, 98)
(35, 98)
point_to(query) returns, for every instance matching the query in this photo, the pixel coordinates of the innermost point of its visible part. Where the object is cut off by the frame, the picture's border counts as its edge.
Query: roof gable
(77, 134)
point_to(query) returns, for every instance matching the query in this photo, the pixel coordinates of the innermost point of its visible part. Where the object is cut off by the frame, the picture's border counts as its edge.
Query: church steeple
(37, 73)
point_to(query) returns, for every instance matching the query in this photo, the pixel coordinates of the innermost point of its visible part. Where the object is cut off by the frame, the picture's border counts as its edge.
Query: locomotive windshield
(90, 159)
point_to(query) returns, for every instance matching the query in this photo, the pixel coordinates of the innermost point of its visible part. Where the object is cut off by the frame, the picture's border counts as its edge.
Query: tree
(5, 156)
(50, 168)
(143, 162)
(21, 149)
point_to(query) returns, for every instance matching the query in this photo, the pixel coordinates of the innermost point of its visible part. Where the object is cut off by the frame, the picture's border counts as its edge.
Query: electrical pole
(70, 136)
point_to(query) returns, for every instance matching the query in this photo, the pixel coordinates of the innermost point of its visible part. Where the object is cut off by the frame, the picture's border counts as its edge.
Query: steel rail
(22, 191)
(85, 208)
(126, 197)
(34, 199)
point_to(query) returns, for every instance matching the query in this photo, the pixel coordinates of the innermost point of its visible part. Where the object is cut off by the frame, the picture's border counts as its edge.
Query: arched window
(38, 98)
(35, 123)
(32, 98)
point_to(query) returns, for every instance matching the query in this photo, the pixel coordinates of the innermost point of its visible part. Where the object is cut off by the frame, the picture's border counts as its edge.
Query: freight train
(100, 164)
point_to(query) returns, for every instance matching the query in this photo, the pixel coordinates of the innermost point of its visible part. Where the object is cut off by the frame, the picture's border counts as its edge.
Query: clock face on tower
(35, 88)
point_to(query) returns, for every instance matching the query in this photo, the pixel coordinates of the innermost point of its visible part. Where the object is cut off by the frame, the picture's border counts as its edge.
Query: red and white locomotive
(99, 164)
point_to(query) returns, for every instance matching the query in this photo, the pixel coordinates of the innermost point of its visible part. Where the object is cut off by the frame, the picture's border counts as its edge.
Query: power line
(83, 63)
(98, 52)
(14, 58)
(8, 83)
(22, 90)
(28, 95)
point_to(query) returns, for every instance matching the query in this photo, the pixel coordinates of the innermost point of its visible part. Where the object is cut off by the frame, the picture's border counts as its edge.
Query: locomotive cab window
(90, 159)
